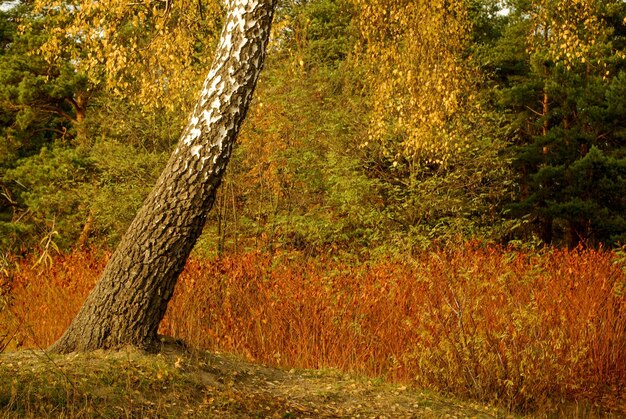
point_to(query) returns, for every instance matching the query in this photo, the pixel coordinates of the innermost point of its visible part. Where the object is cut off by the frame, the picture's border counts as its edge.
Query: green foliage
(62, 162)
(48, 185)
(592, 197)
(125, 177)
(36, 115)
(297, 179)
(461, 199)
(316, 31)
(77, 158)
(567, 116)
(146, 132)
(63, 188)
(35, 96)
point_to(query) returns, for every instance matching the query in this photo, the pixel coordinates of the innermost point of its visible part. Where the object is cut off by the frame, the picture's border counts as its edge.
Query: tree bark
(79, 102)
(130, 299)
(84, 234)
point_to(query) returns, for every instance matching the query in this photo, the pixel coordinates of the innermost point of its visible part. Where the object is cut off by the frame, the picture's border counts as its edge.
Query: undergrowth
(189, 383)
(527, 331)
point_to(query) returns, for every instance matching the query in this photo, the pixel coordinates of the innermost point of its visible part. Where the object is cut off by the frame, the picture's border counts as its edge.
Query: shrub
(524, 330)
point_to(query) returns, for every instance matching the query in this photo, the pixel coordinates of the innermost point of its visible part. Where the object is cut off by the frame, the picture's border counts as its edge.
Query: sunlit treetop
(572, 32)
(151, 52)
(414, 52)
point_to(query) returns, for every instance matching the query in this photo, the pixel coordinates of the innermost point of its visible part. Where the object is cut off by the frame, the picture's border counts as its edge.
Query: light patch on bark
(193, 135)
(220, 90)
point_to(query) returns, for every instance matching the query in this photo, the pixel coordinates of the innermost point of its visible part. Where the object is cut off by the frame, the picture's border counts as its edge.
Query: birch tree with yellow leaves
(433, 138)
(128, 302)
(150, 52)
(415, 58)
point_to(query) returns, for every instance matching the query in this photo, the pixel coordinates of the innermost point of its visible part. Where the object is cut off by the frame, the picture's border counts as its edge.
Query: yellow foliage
(568, 30)
(413, 52)
(148, 51)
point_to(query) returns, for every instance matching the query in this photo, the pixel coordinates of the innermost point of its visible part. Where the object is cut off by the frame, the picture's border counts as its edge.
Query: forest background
(377, 126)
(403, 199)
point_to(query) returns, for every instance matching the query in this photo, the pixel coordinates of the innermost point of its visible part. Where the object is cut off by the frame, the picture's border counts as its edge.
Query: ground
(179, 382)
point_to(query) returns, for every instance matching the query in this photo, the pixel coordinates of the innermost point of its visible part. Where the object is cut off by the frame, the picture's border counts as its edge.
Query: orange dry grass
(43, 302)
(521, 329)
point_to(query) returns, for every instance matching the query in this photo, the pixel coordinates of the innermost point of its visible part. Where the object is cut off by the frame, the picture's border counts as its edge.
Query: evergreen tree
(559, 74)
(38, 111)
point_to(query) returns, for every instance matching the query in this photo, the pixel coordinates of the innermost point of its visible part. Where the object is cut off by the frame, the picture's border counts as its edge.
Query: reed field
(526, 331)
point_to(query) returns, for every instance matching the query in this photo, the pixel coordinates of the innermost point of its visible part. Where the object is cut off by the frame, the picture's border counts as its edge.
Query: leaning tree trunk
(129, 301)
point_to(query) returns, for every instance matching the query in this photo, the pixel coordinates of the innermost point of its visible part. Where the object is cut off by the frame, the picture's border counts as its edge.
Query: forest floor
(179, 382)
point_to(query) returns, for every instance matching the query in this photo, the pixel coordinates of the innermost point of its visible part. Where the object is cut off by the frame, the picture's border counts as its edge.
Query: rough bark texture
(129, 301)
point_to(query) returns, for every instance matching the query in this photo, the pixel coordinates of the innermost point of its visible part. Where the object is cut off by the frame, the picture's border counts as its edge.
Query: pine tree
(559, 68)
(38, 108)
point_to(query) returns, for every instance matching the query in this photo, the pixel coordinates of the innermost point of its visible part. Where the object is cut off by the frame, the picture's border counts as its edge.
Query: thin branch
(534, 111)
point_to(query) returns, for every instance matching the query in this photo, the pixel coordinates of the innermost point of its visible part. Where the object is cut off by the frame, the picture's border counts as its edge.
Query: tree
(67, 68)
(432, 141)
(560, 70)
(131, 49)
(131, 297)
(415, 60)
(37, 110)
